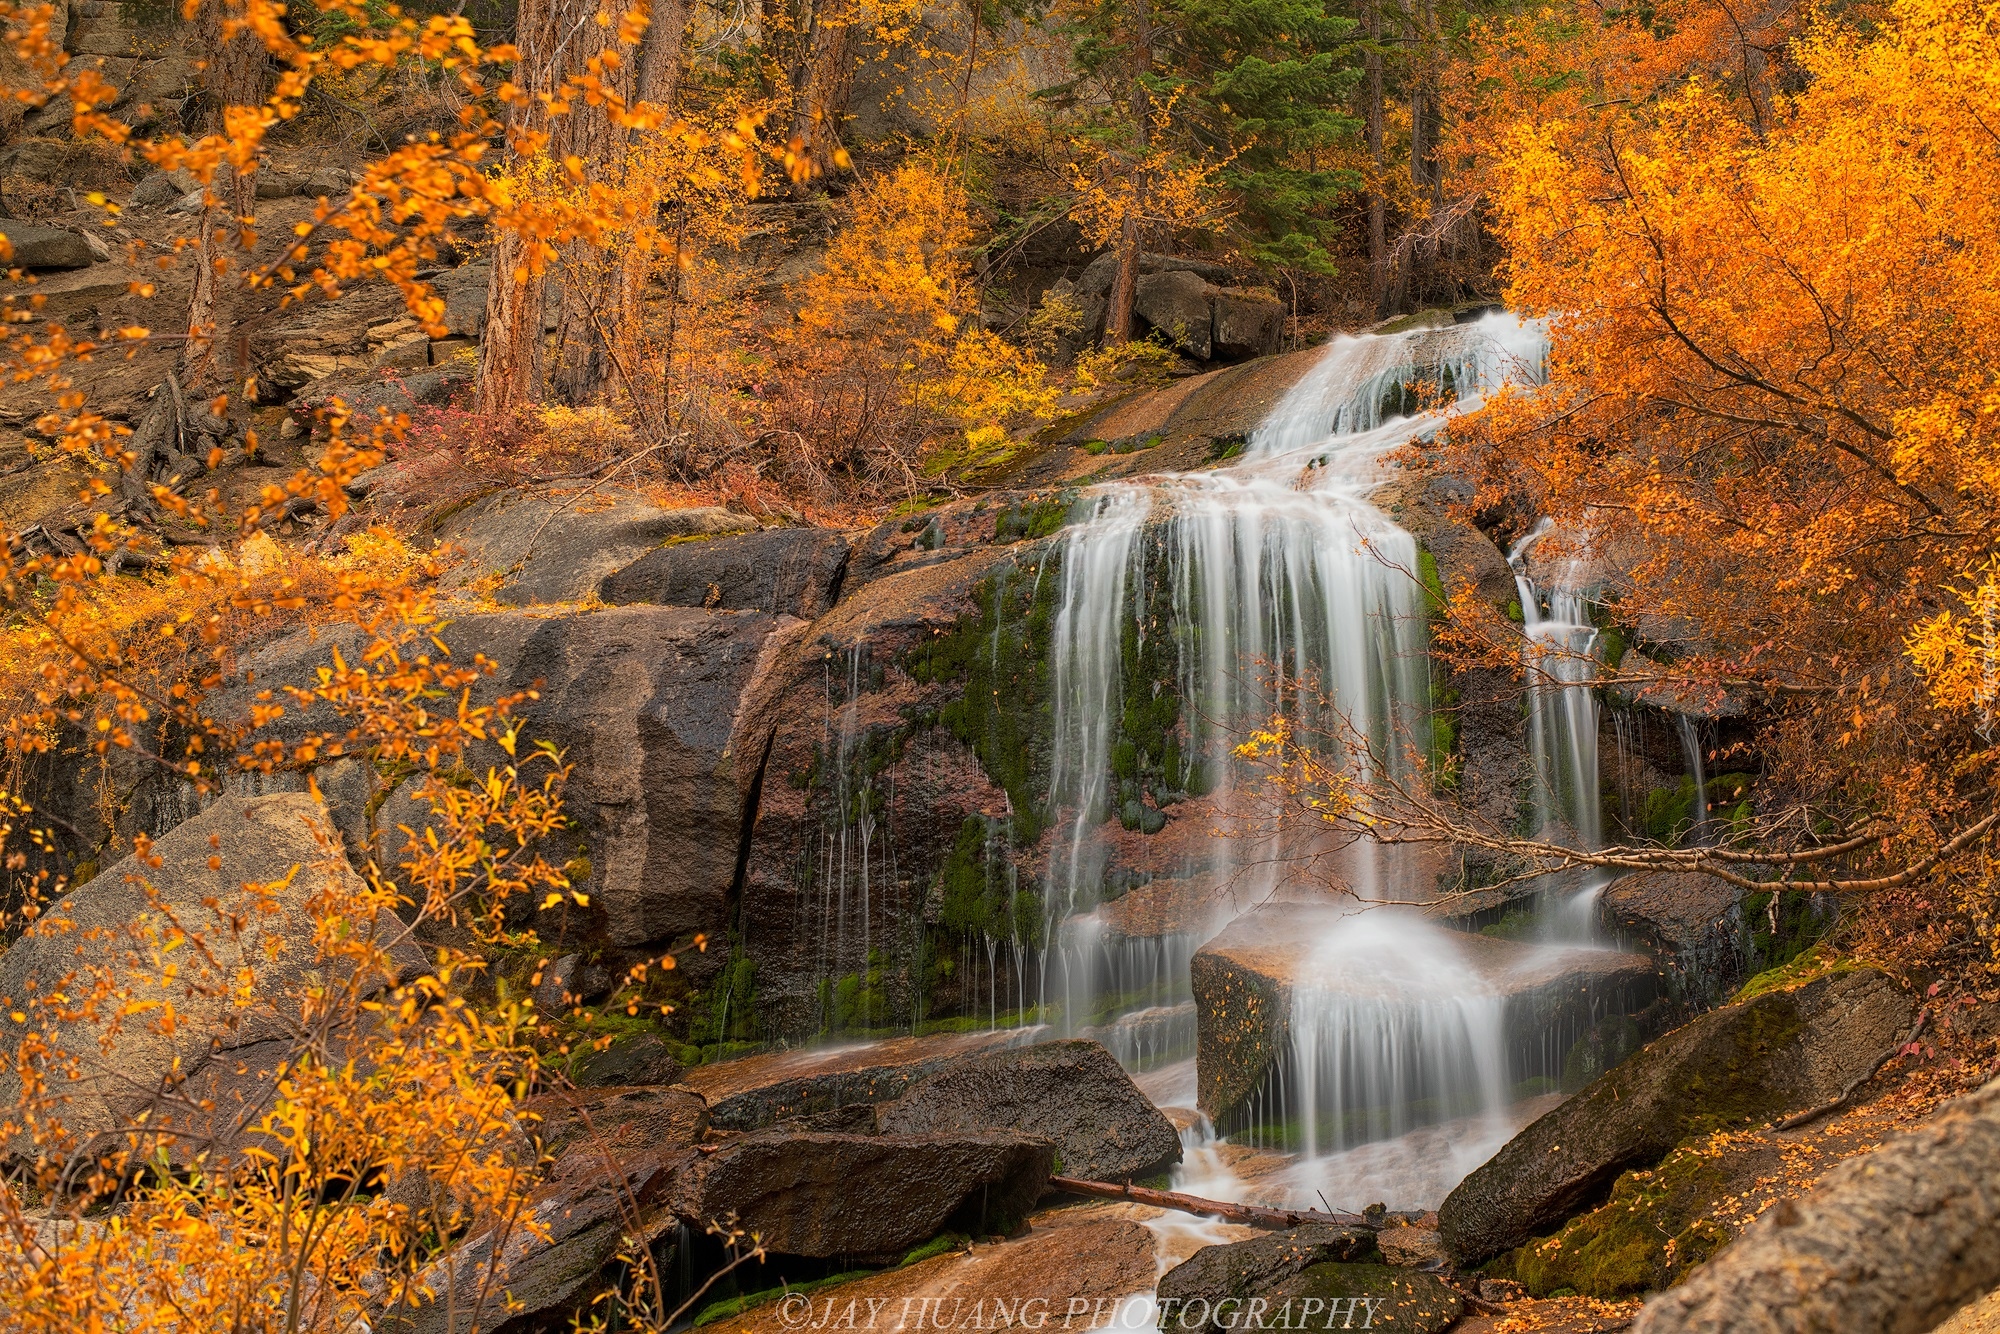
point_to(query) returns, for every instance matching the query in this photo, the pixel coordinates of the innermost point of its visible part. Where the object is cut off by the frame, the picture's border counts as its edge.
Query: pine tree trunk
(510, 355)
(826, 83)
(1378, 205)
(1125, 286)
(234, 78)
(590, 281)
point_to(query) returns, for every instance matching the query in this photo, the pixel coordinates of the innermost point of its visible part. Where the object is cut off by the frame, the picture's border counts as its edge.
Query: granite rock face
(1782, 1051)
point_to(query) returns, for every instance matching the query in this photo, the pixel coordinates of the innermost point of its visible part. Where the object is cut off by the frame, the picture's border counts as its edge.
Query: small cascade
(1400, 1031)
(1691, 747)
(1561, 662)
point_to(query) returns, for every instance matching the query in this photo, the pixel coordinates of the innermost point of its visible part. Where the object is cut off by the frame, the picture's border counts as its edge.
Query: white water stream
(1289, 592)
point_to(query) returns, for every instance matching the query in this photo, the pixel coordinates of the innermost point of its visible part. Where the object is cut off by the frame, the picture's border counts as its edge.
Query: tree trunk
(1378, 204)
(510, 355)
(826, 81)
(1125, 286)
(591, 283)
(234, 78)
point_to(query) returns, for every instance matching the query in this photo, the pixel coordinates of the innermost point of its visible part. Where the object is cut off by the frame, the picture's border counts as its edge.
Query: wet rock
(866, 1196)
(546, 1266)
(1324, 1272)
(757, 1091)
(1894, 1240)
(1074, 1262)
(1176, 304)
(1693, 919)
(1072, 1092)
(643, 1059)
(1243, 982)
(575, 1125)
(1413, 1247)
(39, 247)
(1780, 1051)
(548, 547)
(793, 571)
(259, 840)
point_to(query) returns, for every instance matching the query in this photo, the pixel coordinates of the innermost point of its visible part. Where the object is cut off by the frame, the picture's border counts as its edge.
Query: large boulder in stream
(1248, 982)
(873, 1197)
(1694, 921)
(753, 1092)
(1778, 1052)
(1073, 1093)
(1313, 1277)
(1891, 1241)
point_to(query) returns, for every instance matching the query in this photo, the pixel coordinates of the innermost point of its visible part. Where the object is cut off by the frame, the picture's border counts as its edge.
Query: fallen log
(1251, 1215)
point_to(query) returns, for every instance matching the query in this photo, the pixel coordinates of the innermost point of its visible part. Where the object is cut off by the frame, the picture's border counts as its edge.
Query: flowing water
(1275, 587)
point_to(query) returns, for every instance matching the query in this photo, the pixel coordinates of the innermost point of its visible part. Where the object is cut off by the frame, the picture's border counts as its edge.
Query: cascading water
(1562, 719)
(1691, 747)
(1275, 587)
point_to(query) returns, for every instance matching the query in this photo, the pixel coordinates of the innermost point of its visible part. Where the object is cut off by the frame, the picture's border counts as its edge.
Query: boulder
(1313, 1277)
(162, 188)
(757, 1091)
(1176, 304)
(1892, 1241)
(39, 247)
(1781, 1051)
(1246, 324)
(865, 1196)
(650, 707)
(1071, 1092)
(1099, 274)
(640, 1059)
(546, 547)
(464, 293)
(222, 1031)
(788, 571)
(614, 1123)
(1693, 920)
(1245, 981)
(546, 1266)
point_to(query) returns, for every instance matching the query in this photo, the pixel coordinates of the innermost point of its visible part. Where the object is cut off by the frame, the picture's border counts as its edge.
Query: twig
(1253, 1215)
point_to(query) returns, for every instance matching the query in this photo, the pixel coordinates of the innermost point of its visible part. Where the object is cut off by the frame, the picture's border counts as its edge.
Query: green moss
(1029, 520)
(727, 1013)
(943, 1243)
(1226, 447)
(1646, 1237)
(735, 1306)
(1813, 962)
(1444, 696)
(978, 896)
(999, 658)
(1095, 447)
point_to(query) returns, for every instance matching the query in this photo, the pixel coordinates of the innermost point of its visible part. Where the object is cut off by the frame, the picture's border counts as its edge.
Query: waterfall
(1275, 587)
(1691, 747)
(1402, 1032)
(1560, 657)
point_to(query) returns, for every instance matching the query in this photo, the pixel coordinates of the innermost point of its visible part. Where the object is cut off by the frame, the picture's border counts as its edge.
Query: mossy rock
(1743, 1063)
(1654, 1229)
